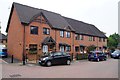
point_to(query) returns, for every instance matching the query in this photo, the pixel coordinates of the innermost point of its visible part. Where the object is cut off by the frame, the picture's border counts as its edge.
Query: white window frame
(68, 35)
(61, 33)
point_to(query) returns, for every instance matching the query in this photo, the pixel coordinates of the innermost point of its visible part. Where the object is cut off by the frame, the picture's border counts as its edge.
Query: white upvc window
(67, 34)
(61, 33)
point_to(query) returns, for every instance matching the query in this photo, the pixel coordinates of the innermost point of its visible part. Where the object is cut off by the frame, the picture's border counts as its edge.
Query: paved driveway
(78, 69)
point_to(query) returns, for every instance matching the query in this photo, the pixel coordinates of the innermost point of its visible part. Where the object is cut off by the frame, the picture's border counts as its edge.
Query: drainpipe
(97, 42)
(73, 43)
(23, 55)
(55, 41)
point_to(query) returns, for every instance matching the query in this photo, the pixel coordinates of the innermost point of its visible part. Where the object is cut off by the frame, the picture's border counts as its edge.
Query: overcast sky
(101, 13)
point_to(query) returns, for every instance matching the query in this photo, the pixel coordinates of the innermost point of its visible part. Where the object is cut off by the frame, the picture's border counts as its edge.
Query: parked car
(3, 53)
(55, 58)
(97, 56)
(115, 54)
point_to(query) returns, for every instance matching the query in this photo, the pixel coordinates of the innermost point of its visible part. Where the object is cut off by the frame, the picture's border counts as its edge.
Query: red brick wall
(15, 36)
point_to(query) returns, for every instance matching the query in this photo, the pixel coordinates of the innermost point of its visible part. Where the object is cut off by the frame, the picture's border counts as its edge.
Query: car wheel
(68, 62)
(89, 59)
(119, 57)
(98, 59)
(48, 63)
(105, 59)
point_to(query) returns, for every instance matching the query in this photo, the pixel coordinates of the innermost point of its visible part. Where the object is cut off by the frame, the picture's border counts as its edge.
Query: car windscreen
(116, 52)
(4, 50)
(98, 53)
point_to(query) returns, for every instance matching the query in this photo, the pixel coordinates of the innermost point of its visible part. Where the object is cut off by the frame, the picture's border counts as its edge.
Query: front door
(45, 48)
(62, 48)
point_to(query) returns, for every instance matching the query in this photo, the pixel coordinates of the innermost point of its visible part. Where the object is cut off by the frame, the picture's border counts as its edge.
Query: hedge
(81, 56)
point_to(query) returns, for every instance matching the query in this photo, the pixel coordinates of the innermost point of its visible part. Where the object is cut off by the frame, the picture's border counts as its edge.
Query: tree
(113, 40)
(91, 48)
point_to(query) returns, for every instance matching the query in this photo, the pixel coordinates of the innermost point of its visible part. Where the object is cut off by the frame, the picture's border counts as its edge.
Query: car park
(115, 54)
(97, 56)
(54, 58)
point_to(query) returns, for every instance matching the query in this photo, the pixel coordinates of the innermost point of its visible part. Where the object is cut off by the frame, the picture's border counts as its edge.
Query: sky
(101, 13)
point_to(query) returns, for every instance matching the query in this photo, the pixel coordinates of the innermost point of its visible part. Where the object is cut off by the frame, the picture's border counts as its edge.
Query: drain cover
(15, 75)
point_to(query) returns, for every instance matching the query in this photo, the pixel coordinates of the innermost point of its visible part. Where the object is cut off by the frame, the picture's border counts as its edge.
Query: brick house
(35, 31)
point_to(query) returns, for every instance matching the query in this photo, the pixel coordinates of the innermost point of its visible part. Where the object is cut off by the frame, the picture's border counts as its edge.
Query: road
(78, 69)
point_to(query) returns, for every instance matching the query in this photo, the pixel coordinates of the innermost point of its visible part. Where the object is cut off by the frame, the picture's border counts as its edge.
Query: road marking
(2, 61)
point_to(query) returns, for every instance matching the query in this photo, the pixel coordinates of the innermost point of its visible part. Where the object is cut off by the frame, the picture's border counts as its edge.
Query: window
(46, 31)
(76, 37)
(81, 37)
(34, 30)
(68, 34)
(90, 38)
(61, 33)
(100, 39)
(33, 48)
(93, 38)
(68, 48)
(103, 39)
(77, 49)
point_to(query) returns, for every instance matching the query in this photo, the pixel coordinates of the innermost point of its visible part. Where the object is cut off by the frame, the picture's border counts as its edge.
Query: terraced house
(35, 31)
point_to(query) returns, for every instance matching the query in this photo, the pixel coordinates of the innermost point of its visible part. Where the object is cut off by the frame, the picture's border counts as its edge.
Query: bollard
(26, 58)
(12, 59)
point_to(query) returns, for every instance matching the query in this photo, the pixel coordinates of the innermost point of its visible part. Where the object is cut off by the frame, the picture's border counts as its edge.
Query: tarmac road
(78, 69)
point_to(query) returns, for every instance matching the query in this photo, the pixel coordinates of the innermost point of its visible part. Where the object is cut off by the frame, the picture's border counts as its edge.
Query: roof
(84, 28)
(26, 13)
(2, 36)
(55, 20)
(48, 40)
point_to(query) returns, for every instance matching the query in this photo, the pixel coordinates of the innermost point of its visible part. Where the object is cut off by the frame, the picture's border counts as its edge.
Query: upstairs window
(46, 31)
(61, 33)
(76, 37)
(34, 30)
(100, 39)
(93, 38)
(90, 38)
(67, 34)
(81, 37)
(103, 39)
